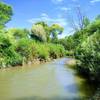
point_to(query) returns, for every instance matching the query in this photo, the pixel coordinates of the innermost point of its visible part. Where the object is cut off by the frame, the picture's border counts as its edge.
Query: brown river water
(50, 81)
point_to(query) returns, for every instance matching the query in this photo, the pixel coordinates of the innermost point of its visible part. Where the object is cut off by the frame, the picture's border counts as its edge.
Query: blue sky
(27, 12)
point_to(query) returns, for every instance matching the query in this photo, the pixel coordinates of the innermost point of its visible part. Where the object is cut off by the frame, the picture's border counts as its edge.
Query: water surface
(51, 81)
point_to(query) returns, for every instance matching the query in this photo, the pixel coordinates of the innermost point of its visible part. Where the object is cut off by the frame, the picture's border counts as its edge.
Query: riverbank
(29, 63)
(28, 51)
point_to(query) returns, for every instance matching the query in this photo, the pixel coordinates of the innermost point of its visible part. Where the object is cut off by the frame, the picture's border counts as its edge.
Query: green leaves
(18, 33)
(18, 46)
(42, 32)
(93, 27)
(5, 14)
(86, 22)
(88, 52)
(56, 30)
(39, 33)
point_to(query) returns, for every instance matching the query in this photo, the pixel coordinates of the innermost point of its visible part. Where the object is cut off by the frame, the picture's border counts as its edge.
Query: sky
(28, 12)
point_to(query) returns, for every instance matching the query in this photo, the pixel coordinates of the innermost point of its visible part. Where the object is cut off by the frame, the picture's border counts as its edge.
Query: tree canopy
(38, 33)
(5, 14)
(43, 32)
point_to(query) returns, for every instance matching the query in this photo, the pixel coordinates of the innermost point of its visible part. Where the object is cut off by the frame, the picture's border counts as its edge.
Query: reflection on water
(50, 81)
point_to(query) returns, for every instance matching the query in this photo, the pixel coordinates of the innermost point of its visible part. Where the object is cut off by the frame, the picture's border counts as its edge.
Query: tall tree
(55, 31)
(46, 28)
(5, 14)
(38, 33)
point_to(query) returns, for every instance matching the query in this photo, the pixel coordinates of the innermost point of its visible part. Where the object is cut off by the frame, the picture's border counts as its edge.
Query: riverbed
(50, 81)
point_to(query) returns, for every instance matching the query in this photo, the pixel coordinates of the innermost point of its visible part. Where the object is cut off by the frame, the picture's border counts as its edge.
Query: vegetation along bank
(20, 46)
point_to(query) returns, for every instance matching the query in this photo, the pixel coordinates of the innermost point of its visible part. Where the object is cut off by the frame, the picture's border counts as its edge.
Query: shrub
(69, 53)
(42, 51)
(89, 55)
(56, 50)
(26, 48)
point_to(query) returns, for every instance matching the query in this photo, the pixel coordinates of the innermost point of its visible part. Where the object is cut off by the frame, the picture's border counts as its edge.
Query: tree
(38, 33)
(98, 17)
(80, 17)
(93, 27)
(46, 28)
(82, 20)
(41, 31)
(18, 33)
(86, 22)
(5, 14)
(55, 31)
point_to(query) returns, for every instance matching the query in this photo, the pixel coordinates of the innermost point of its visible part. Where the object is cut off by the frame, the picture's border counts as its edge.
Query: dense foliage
(88, 51)
(84, 45)
(42, 32)
(5, 14)
(18, 46)
(13, 51)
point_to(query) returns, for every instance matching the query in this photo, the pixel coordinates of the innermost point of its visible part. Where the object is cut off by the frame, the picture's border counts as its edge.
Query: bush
(10, 58)
(69, 53)
(42, 51)
(89, 55)
(56, 50)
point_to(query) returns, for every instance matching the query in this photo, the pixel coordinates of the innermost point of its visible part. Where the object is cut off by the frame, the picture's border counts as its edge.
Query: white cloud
(44, 15)
(48, 20)
(94, 1)
(57, 1)
(65, 9)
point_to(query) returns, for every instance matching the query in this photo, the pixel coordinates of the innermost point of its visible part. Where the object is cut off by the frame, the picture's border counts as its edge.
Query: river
(50, 81)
